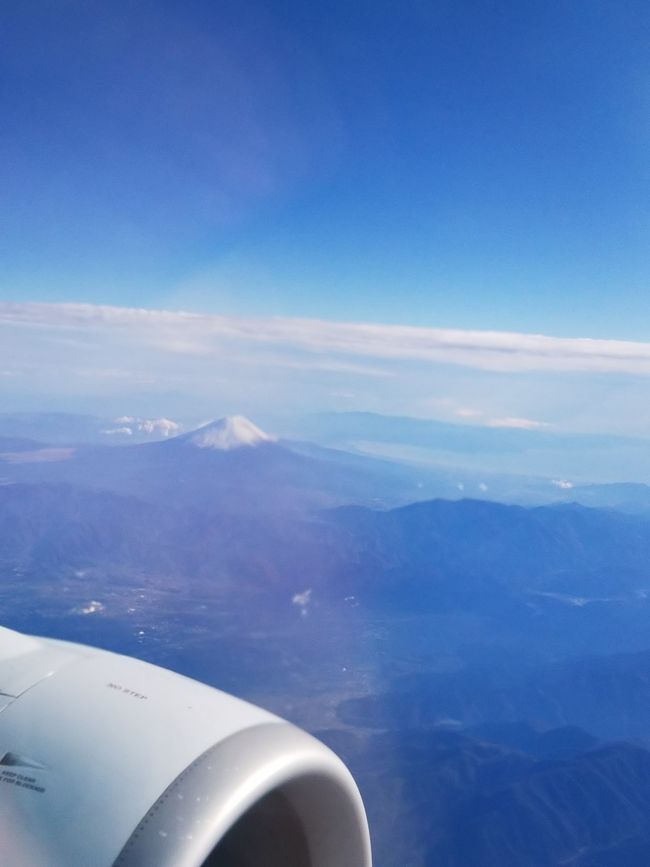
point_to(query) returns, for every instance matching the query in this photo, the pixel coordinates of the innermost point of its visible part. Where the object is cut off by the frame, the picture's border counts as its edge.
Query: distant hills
(622, 496)
(500, 447)
(462, 800)
(550, 580)
(362, 458)
(467, 554)
(608, 695)
(463, 550)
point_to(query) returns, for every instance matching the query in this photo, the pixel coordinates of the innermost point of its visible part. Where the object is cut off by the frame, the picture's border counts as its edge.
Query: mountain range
(451, 800)
(481, 665)
(275, 473)
(229, 465)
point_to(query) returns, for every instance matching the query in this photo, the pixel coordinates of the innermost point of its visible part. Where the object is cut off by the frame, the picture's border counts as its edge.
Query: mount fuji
(226, 434)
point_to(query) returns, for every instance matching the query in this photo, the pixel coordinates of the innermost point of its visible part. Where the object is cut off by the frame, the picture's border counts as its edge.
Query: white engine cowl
(106, 761)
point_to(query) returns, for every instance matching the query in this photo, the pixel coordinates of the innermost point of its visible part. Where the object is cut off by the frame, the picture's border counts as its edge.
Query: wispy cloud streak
(182, 333)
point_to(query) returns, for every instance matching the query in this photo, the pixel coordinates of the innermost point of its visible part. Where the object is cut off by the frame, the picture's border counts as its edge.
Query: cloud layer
(283, 340)
(115, 361)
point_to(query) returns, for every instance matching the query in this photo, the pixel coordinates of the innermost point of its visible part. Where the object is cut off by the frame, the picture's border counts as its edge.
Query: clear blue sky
(454, 164)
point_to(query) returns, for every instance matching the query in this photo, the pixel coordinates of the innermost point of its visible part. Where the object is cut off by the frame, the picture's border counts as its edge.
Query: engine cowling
(107, 761)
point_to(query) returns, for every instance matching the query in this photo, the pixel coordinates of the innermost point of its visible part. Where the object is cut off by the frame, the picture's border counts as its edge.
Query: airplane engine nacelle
(106, 761)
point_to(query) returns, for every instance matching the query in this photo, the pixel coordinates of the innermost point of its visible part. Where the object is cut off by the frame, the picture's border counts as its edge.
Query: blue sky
(452, 165)
(463, 164)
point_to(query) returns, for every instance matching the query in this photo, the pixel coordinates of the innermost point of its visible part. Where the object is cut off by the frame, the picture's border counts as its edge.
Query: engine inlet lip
(186, 823)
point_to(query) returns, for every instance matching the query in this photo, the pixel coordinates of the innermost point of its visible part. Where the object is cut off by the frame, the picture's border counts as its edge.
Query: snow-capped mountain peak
(231, 432)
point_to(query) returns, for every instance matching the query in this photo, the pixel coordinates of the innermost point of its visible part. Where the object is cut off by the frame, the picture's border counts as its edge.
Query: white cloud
(119, 431)
(181, 333)
(467, 412)
(562, 484)
(93, 607)
(164, 426)
(516, 423)
(303, 599)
